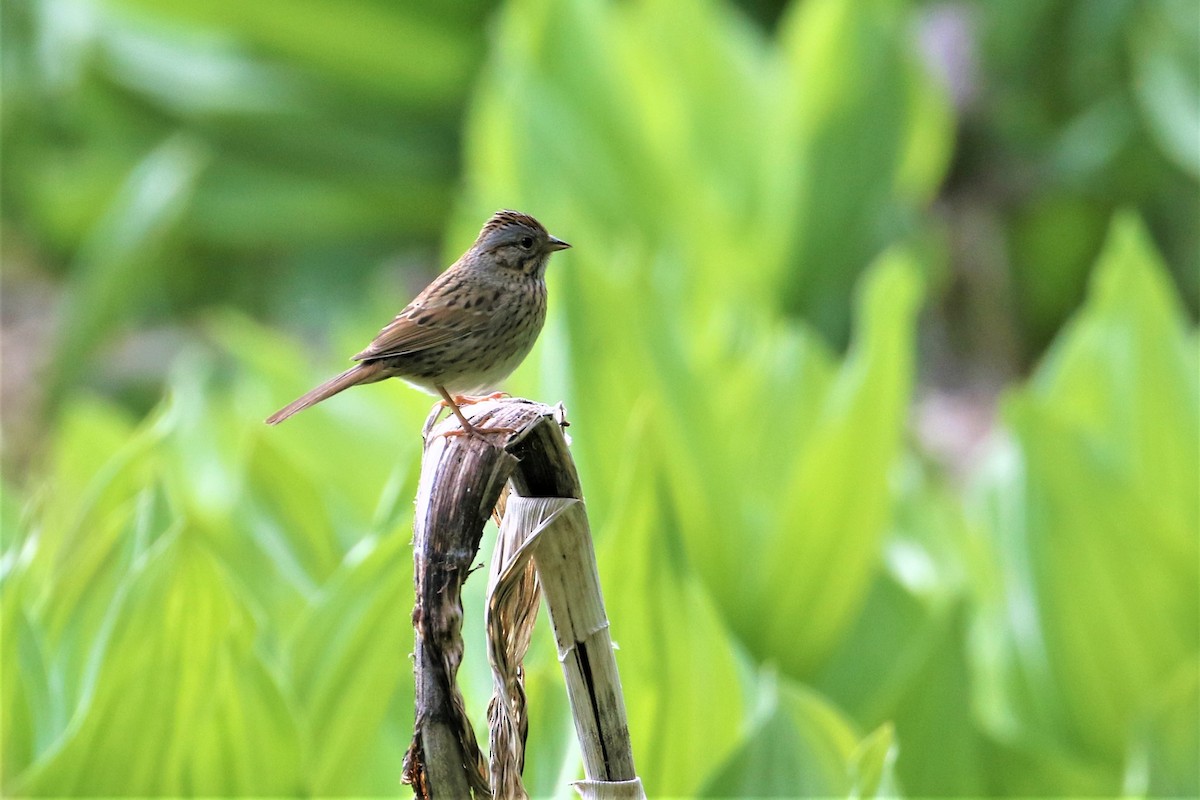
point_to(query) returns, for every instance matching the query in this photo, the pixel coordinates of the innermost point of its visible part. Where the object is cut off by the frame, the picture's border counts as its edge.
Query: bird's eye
(526, 242)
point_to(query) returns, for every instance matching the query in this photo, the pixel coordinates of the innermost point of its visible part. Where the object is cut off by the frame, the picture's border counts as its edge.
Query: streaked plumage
(469, 329)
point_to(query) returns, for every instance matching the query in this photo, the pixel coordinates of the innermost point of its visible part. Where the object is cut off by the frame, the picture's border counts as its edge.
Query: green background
(878, 340)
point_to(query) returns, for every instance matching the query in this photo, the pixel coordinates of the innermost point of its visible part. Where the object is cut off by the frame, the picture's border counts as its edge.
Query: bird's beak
(553, 244)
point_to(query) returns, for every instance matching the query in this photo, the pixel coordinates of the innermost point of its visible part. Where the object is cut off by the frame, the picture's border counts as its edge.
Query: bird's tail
(367, 372)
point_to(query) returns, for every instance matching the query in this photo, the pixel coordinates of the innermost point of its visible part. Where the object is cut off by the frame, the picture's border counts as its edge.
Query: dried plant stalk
(454, 499)
(461, 482)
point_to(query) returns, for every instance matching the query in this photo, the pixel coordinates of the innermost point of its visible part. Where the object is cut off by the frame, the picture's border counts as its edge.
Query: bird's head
(516, 241)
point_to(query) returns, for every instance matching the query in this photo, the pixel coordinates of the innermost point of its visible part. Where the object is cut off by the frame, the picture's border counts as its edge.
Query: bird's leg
(467, 428)
(451, 404)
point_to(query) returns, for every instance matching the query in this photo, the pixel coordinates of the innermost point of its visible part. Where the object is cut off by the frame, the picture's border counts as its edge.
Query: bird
(465, 332)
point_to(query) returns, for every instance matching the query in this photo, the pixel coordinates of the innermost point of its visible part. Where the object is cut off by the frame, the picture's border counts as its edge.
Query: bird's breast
(480, 359)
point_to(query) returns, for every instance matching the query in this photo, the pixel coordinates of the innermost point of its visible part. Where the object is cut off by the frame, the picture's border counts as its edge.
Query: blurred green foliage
(192, 603)
(1088, 108)
(1092, 511)
(176, 155)
(1092, 508)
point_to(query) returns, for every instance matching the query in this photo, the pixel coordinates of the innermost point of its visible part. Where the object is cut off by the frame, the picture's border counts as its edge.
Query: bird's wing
(428, 321)
(406, 334)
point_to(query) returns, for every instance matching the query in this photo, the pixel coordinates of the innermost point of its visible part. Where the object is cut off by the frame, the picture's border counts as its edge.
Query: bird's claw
(480, 433)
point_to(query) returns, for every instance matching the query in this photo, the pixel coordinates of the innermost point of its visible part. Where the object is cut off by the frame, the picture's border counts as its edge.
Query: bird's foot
(466, 428)
(476, 431)
(471, 399)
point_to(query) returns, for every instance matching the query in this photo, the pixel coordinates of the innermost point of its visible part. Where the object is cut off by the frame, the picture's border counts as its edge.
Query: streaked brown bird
(469, 329)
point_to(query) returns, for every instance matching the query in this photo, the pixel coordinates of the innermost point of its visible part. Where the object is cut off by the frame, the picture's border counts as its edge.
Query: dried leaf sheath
(512, 605)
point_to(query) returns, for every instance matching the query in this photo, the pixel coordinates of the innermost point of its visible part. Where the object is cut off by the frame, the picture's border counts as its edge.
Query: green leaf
(805, 572)
(1092, 508)
(859, 184)
(98, 512)
(181, 703)
(872, 765)
(695, 148)
(356, 45)
(94, 448)
(112, 282)
(802, 746)
(1164, 759)
(1166, 48)
(1124, 376)
(31, 714)
(835, 502)
(678, 670)
(348, 661)
(903, 665)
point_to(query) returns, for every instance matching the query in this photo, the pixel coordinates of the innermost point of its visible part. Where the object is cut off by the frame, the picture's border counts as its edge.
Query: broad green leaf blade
(802, 747)
(861, 184)
(1124, 375)
(349, 663)
(1164, 758)
(677, 663)
(1092, 506)
(872, 766)
(181, 702)
(903, 664)
(836, 499)
(32, 713)
(357, 46)
(808, 568)
(1165, 49)
(93, 459)
(137, 227)
(100, 511)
